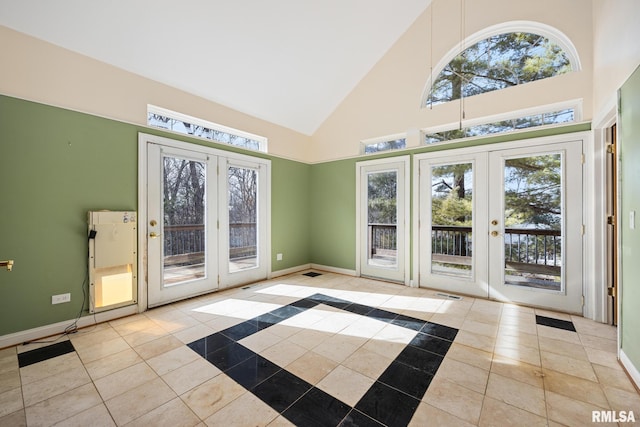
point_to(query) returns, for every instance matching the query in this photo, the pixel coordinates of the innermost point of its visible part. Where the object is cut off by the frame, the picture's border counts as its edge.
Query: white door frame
(404, 261)
(591, 203)
(143, 220)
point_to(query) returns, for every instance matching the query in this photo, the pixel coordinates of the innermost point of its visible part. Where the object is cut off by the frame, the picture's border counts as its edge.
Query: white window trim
(153, 109)
(576, 104)
(548, 31)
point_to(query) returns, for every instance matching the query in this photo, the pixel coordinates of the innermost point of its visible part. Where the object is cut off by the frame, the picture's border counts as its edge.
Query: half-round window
(498, 62)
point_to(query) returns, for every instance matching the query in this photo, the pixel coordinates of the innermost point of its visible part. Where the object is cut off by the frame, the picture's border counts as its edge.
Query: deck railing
(184, 243)
(526, 250)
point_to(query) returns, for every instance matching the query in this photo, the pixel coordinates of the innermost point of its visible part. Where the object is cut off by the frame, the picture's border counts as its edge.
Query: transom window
(376, 145)
(182, 123)
(553, 115)
(498, 62)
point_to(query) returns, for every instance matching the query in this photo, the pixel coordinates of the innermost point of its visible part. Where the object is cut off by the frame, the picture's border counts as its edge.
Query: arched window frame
(552, 33)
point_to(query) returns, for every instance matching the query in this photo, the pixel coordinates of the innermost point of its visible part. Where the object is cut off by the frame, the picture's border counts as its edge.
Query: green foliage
(496, 63)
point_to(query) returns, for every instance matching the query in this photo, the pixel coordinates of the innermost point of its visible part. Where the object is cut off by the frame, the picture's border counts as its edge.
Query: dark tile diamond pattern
(555, 323)
(391, 400)
(44, 353)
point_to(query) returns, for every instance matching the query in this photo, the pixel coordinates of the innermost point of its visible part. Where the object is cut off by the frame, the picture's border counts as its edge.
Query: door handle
(153, 235)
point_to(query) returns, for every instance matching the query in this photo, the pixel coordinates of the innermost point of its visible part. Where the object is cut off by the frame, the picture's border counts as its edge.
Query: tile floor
(325, 350)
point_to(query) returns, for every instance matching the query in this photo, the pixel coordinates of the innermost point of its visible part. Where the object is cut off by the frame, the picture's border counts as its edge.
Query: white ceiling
(290, 62)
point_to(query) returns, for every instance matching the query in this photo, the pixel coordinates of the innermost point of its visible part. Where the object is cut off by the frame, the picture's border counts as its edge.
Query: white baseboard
(287, 271)
(631, 369)
(330, 269)
(58, 328)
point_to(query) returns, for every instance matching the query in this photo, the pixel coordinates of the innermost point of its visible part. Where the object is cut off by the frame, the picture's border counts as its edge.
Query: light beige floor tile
(367, 362)
(311, 367)
(510, 327)
(481, 342)
(452, 320)
(454, 399)
(519, 371)
(395, 334)
(173, 413)
(575, 388)
(193, 333)
(122, 381)
(171, 360)
(568, 365)
(508, 336)
(613, 377)
(570, 412)
(213, 395)
(589, 327)
(157, 347)
(563, 348)
(113, 363)
(283, 353)
(519, 352)
(516, 393)
(499, 414)
(307, 338)
(490, 318)
(553, 314)
(56, 384)
(363, 327)
(467, 376)
(177, 324)
(63, 406)
(46, 368)
(472, 356)
(103, 349)
(144, 336)
(589, 341)
(98, 416)
(346, 384)
(138, 401)
(622, 400)
(475, 327)
(191, 375)
(388, 350)
(246, 410)
(10, 401)
(9, 380)
(84, 340)
(14, 419)
(427, 415)
(261, 341)
(338, 348)
(223, 322)
(558, 334)
(602, 357)
(141, 323)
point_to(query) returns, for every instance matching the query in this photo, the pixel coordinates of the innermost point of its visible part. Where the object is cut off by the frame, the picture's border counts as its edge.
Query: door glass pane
(452, 219)
(184, 220)
(243, 236)
(533, 221)
(382, 217)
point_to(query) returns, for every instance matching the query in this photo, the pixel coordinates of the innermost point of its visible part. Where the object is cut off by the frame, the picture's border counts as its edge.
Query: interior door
(243, 219)
(383, 210)
(181, 228)
(504, 224)
(536, 226)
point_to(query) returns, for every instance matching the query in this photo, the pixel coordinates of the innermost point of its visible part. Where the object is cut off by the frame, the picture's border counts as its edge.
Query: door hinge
(612, 292)
(582, 229)
(611, 220)
(582, 158)
(218, 279)
(218, 224)
(611, 148)
(582, 300)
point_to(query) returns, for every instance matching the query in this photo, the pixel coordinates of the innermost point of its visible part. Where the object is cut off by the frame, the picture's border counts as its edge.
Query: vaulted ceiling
(290, 62)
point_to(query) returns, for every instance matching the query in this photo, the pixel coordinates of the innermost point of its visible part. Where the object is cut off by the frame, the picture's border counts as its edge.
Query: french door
(504, 224)
(383, 208)
(206, 221)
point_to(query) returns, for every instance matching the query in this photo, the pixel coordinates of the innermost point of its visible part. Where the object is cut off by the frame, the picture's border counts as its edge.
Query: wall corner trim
(631, 369)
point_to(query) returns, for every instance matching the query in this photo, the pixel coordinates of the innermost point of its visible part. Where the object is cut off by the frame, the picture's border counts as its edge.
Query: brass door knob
(494, 233)
(154, 235)
(494, 222)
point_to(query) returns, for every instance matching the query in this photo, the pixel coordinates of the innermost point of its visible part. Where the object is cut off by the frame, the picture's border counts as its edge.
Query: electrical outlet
(59, 299)
(278, 257)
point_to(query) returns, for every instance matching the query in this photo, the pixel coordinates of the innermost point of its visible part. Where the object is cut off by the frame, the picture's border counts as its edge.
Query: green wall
(55, 165)
(629, 137)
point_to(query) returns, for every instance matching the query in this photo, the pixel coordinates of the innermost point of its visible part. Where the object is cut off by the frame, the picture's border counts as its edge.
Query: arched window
(501, 60)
